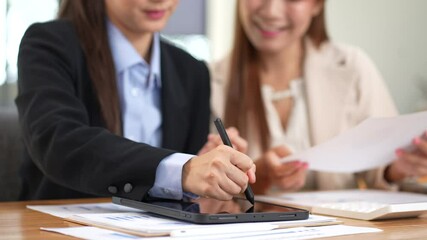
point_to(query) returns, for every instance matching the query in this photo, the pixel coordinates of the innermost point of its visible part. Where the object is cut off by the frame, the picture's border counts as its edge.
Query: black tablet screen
(211, 206)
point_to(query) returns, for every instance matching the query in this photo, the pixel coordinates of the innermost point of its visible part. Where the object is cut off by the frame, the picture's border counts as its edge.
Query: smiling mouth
(271, 31)
(271, 28)
(155, 14)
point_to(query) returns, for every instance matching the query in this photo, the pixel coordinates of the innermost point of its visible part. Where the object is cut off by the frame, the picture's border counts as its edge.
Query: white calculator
(357, 204)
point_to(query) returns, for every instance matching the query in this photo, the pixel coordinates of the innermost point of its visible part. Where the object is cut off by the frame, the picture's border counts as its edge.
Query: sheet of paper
(369, 145)
(316, 198)
(92, 233)
(292, 233)
(297, 233)
(250, 227)
(146, 224)
(64, 211)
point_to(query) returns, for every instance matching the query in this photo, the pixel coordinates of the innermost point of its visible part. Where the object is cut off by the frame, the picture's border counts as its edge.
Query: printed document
(92, 233)
(147, 224)
(67, 210)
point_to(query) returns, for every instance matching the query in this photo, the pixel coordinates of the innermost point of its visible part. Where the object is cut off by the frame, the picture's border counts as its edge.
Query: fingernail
(399, 152)
(416, 141)
(305, 165)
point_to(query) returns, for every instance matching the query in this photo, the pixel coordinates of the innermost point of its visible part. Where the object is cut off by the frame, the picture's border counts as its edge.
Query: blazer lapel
(328, 87)
(174, 104)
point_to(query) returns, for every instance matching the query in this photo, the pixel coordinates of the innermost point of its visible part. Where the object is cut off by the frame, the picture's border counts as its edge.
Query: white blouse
(296, 136)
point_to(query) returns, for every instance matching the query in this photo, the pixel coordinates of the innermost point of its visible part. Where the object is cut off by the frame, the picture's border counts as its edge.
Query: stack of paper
(299, 233)
(146, 224)
(116, 224)
(67, 210)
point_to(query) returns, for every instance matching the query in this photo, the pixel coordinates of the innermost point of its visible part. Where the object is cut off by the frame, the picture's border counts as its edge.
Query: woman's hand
(220, 174)
(289, 176)
(214, 140)
(409, 163)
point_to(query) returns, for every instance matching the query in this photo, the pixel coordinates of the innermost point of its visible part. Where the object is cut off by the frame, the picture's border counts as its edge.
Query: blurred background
(392, 32)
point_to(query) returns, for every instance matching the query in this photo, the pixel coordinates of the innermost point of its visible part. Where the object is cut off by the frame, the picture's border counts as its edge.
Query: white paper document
(146, 224)
(310, 199)
(92, 233)
(369, 145)
(66, 210)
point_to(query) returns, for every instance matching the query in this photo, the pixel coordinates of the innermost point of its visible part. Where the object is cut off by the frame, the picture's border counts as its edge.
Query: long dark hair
(88, 18)
(244, 97)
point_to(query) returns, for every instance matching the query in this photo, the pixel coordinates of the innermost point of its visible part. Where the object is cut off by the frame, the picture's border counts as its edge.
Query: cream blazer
(343, 87)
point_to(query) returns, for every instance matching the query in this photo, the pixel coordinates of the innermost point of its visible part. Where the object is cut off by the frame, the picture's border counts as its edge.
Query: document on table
(130, 220)
(146, 224)
(66, 210)
(308, 200)
(92, 233)
(369, 145)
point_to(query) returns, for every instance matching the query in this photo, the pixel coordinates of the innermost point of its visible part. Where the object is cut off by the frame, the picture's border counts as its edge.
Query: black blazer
(69, 152)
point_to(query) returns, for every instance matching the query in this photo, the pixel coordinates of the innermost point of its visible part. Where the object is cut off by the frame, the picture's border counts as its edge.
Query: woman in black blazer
(71, 110)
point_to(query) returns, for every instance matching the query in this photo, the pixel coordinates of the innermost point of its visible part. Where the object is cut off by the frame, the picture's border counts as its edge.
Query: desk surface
(18, 222)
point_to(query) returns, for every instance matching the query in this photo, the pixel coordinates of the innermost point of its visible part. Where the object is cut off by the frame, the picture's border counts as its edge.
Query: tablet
(206, 211)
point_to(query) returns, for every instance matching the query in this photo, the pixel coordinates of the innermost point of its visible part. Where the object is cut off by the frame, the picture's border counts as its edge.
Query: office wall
(2, 42)
(189, 18)
(392, 32)
(219, 26)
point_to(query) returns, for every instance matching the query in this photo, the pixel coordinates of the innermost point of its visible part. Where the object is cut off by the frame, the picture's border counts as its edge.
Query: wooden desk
(18, 222)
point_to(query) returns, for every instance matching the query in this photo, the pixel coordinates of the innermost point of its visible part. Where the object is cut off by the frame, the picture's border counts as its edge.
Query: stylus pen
(221, 130)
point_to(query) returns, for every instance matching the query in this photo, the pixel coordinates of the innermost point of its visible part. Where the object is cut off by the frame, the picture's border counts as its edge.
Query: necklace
(282, 94)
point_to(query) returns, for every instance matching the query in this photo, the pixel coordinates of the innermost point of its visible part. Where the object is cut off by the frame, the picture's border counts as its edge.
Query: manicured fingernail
(399, 152)
(297, 163)
(416, 141)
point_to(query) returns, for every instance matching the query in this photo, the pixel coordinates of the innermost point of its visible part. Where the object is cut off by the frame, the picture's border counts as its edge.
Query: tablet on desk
(207, 211)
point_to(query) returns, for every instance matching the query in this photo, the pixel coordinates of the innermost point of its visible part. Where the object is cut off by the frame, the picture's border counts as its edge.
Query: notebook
(357, 204)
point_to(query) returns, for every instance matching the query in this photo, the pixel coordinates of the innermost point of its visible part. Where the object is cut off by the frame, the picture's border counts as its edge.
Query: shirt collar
(125, 55)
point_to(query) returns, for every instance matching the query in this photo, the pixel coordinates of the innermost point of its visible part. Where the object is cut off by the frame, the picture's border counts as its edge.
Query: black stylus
(224, 137)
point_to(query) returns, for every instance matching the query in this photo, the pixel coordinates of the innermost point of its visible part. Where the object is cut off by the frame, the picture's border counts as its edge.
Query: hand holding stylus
(221, 130)
(220, 174)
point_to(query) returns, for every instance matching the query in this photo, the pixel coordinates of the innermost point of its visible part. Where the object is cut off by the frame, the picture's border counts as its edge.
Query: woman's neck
(141, 41)
(278, 69)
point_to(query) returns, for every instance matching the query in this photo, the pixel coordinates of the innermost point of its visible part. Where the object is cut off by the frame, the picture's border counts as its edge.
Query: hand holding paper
(411, 161)
(288, 176)
(369, 145)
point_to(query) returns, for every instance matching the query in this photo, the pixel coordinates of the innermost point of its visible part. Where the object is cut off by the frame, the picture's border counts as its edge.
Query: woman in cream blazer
(342, 88)
(293, 88)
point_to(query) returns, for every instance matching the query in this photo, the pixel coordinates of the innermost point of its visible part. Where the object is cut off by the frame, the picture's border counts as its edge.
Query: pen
(224, 137)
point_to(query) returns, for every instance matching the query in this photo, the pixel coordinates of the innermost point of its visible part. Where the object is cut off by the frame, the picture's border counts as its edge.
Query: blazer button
(128, 188)
(112, 189)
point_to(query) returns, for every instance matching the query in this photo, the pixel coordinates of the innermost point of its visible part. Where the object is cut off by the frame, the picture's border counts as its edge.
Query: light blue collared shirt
(139, 85)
